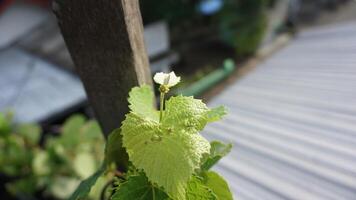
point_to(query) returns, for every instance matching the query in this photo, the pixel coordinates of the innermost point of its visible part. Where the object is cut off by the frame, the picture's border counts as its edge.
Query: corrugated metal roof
(293, 121)
(34, 89)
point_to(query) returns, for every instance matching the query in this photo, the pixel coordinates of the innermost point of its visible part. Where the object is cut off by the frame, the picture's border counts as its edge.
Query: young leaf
(185, 113)
(218, 185)
(217, 151)
(198, 191)
(168, 157)
(84, 187)
(141, 101)
(138, 188)
(216, 114)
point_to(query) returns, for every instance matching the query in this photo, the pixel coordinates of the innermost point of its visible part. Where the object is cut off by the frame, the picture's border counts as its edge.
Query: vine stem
(153, 193)
(106, 186)
(161, 106)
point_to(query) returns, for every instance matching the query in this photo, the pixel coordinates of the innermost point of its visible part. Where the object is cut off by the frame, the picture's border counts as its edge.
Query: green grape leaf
(138, 188)
(217, 151)
(141, 101)
(167, 156)
(198, 191)
(30, 132)
(218, 185)
(185, 113)
(114, 152)
(216, 114)
(84, 187)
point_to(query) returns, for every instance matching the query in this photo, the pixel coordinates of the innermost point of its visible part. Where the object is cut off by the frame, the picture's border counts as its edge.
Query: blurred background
(286, 70)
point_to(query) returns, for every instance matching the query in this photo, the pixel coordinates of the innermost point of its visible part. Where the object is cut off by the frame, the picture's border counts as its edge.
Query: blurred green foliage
(239, 23)
(59, 166)
(242, 24)
(173, 11)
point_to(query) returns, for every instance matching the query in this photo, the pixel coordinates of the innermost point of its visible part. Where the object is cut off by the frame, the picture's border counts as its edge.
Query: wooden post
(105, 40)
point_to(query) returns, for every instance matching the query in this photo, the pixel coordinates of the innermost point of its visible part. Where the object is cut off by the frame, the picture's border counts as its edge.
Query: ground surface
(293, 121)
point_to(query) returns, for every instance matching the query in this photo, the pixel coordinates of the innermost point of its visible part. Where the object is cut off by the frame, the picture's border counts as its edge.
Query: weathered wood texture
(105, 40)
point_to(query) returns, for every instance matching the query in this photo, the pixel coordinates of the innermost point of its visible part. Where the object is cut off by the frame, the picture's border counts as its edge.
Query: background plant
(242, 24)
(55, 168)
